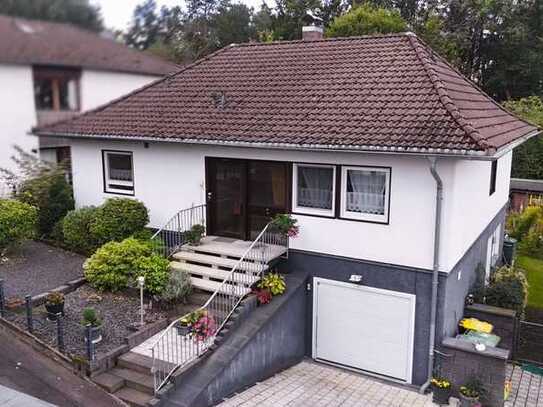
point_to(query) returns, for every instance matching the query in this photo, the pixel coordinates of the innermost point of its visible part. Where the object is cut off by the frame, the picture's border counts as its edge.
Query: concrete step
(236, 249)
(109, 382)
(135, 380)
(217, 261)
(133, 397)
(215, 273)
(135, 361)
(212, 286)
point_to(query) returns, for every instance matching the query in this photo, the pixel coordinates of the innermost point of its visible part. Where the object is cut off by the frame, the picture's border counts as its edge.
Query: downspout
(435, 274)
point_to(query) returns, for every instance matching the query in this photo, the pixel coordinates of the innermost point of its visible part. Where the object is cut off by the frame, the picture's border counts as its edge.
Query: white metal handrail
(173, 350)
(170, 237)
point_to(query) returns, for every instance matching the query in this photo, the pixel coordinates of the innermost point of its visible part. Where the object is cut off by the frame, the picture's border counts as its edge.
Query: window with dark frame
(364, 193)
(314, 189)
(56, 89)
(118, 172)
(493, 173)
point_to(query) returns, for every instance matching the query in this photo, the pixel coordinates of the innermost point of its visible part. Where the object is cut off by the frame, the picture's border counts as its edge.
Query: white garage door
(364, 328)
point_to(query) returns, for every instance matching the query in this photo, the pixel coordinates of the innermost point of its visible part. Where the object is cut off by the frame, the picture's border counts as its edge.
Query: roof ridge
(443, 95)
(333, 39)
(134, 92)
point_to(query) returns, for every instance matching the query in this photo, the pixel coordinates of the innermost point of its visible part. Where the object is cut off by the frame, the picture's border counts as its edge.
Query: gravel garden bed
(117, 312)
(35, 267)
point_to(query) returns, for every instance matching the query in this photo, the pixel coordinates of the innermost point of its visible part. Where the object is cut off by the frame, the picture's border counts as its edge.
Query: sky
(117, 14)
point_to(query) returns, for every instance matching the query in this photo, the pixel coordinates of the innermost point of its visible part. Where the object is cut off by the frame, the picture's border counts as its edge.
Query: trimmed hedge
(18, 221)
(116, 265)
(117, 219)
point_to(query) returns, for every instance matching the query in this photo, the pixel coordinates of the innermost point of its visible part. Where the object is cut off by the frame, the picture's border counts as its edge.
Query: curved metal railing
(174, 348)
(170, 237)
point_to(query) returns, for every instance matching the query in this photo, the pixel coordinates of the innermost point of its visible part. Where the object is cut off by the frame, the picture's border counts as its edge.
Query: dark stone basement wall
(269, 340)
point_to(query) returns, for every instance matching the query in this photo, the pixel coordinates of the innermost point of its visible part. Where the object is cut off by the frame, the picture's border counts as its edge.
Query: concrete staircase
(210, 263)
(131, 381)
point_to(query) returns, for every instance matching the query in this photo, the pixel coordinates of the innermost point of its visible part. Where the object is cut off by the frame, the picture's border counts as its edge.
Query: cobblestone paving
(527, 389)
(312, 384)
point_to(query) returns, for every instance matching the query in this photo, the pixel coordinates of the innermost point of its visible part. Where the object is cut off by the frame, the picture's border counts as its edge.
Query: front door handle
(267, 212)
(209, 196)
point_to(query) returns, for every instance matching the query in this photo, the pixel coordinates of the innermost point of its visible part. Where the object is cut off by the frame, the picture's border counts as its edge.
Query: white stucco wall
(99, 87)
(468, 207)
(17, 113)
(170, 177)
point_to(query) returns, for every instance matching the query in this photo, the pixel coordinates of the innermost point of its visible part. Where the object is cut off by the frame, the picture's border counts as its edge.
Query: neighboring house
(355, 138)
(525, 192)
(51, 71)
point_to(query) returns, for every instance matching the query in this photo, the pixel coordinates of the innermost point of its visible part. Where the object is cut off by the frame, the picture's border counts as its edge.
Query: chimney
(312, 33)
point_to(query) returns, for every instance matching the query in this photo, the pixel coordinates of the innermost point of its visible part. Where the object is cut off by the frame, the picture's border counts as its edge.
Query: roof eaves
(444, 97)
(473, 154)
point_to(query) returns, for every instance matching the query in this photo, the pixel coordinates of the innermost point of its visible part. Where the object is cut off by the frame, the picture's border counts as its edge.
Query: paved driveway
(312, 384)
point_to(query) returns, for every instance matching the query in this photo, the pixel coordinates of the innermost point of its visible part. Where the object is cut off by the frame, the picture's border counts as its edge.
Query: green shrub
(508, 288)
(76, 230)
(178, 287)
(42, 185)
(51, 194)
(116, 265)
(117, 219)
(18, 222)
(527, 228)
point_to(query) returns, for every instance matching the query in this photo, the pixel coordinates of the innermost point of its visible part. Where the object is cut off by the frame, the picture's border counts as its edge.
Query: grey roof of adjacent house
(526, 185)
(372, 93)
(33, 42)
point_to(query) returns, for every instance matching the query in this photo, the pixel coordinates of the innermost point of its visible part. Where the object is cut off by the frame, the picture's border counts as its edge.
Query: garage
(364, 328)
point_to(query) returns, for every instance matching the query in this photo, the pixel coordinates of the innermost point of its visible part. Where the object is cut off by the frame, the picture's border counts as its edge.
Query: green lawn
(534, 274)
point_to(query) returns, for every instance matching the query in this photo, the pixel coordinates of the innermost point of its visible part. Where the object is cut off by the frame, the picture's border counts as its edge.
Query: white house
(396, 167)
(52, 71)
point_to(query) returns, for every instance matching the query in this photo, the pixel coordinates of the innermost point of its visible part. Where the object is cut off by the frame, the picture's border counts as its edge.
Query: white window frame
(108, 180)
(330, 213)
(367, 217)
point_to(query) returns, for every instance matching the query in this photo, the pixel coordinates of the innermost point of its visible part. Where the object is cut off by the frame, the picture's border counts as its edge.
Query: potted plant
(54, 305)
(263, 296)
(441, 390)
(286, 225)
(205, 327)
(470, 393)
(90, 318)
(195, 234)
(185, 324)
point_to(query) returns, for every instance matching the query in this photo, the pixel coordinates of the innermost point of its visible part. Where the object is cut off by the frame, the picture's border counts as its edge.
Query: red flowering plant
(205, 327)
(286, 225)
(263, 296)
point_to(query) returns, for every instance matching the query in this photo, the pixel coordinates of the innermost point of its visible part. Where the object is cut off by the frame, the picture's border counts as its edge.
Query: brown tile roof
(385, 92)
(44, 43)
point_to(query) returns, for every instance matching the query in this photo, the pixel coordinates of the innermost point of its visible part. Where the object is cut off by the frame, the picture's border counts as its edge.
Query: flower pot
(440, 395)
(96, 335)
(466, 401)
(53, 310)
(183, 330)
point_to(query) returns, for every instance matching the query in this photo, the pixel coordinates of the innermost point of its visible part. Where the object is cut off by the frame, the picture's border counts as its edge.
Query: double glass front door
(243, 195)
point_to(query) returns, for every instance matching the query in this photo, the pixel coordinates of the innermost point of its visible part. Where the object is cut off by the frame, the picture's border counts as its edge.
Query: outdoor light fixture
(141, 283)
(355, 278)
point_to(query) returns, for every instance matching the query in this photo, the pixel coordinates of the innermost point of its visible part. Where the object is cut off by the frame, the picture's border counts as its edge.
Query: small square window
(493, 173)
(314, 189)
(364, 193)
(118, 172)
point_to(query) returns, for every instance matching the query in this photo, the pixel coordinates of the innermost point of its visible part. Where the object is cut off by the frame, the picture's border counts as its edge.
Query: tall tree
(366, 19)
(232, 24)
(528, 158)
(77, 12)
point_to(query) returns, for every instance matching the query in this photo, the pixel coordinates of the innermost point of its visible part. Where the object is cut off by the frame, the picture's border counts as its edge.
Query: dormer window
(56, 89)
